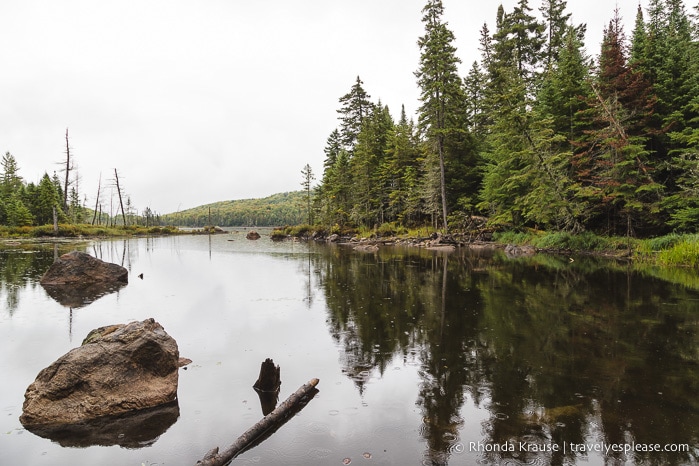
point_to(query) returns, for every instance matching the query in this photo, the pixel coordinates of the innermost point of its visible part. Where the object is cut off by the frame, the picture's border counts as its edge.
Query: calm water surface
(424, 357)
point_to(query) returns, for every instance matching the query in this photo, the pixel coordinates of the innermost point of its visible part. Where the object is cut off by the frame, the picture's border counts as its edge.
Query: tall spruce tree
(615, 169)
(368, 196)
(565, 89)
(441, 93)
(356, 106)
(399, 172)
(556, 20)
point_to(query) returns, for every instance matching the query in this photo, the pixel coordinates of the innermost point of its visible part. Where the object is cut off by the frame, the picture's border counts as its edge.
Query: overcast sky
(202, 101)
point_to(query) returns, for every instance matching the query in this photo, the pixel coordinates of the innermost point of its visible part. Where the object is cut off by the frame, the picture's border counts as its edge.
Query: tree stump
(267, 386)
(269, 379)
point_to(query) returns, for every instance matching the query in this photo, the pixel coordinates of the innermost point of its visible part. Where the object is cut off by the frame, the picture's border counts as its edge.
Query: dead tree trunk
(269, 379)
(97, 202)
(267, 386)
(264, 428)
(121, 202)
(68, 168)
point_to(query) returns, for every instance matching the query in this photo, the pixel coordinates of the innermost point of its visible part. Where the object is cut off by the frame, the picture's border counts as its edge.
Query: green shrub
(684, 252)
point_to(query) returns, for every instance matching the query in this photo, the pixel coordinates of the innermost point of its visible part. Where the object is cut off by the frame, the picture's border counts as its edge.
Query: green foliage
(684, 252)
(278, 209)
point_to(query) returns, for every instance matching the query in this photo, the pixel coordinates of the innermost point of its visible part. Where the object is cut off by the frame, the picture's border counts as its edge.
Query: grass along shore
(84, 231)
(669, 250)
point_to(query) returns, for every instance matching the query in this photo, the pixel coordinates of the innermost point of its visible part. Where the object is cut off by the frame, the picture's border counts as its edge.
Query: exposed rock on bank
(118, 369)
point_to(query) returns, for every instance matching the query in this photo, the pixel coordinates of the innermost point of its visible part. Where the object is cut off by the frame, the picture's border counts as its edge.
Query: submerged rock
(118, 369)
(252, 234)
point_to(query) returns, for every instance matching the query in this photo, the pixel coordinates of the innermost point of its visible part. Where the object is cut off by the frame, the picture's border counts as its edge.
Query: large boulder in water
(77, 279)
(79, 269)
(117, 369)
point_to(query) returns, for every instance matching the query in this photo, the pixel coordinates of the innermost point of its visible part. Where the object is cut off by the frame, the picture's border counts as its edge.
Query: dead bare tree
(121, 202)
(67, 169)
(97, 201)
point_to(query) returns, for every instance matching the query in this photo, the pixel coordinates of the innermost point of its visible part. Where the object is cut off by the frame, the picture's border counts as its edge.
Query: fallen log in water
(264, 428)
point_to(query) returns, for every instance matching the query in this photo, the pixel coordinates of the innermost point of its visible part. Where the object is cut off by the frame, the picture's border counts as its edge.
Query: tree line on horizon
(55, 200)
(537, 134)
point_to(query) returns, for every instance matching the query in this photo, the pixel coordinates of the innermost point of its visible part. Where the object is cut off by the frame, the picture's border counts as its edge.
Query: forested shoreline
(538, 134)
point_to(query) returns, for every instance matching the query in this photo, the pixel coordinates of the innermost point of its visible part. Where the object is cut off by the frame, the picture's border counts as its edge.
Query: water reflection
(561, 353)
(502, 359)
(75, 297)
(137, 429)
(20, 264)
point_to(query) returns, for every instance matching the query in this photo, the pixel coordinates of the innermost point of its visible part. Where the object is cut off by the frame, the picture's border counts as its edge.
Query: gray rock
(118, 369)
(513, 251)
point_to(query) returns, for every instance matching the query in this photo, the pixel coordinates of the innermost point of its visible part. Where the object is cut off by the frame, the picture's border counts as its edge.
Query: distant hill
(275, 210)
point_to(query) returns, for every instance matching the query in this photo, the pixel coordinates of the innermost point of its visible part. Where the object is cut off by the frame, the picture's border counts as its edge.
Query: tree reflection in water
(559, 352)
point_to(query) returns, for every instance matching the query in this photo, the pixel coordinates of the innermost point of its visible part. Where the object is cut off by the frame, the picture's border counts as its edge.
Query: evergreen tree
(17, 214)
(566, 90)
(556, 20)
(47, 197)
(356, 106)
(441, 93)
(324, 202)
(308, 177)
(11, 187)
(11, 181)
(474, 88)
(369, 196)
(614, 169)
(400, 172)
(525, 35)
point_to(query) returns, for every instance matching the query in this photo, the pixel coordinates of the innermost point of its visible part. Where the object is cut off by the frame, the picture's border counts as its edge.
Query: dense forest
(537, 134)
(278, 209)
(58, 199)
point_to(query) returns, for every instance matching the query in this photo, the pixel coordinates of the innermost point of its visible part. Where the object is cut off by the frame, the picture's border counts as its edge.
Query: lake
(424, 357)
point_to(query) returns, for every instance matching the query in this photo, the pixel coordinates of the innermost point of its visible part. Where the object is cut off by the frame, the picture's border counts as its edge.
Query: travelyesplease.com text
(583, 448)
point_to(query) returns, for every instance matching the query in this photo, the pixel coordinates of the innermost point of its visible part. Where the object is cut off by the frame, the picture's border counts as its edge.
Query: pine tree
(441, 93)
(356, 106)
